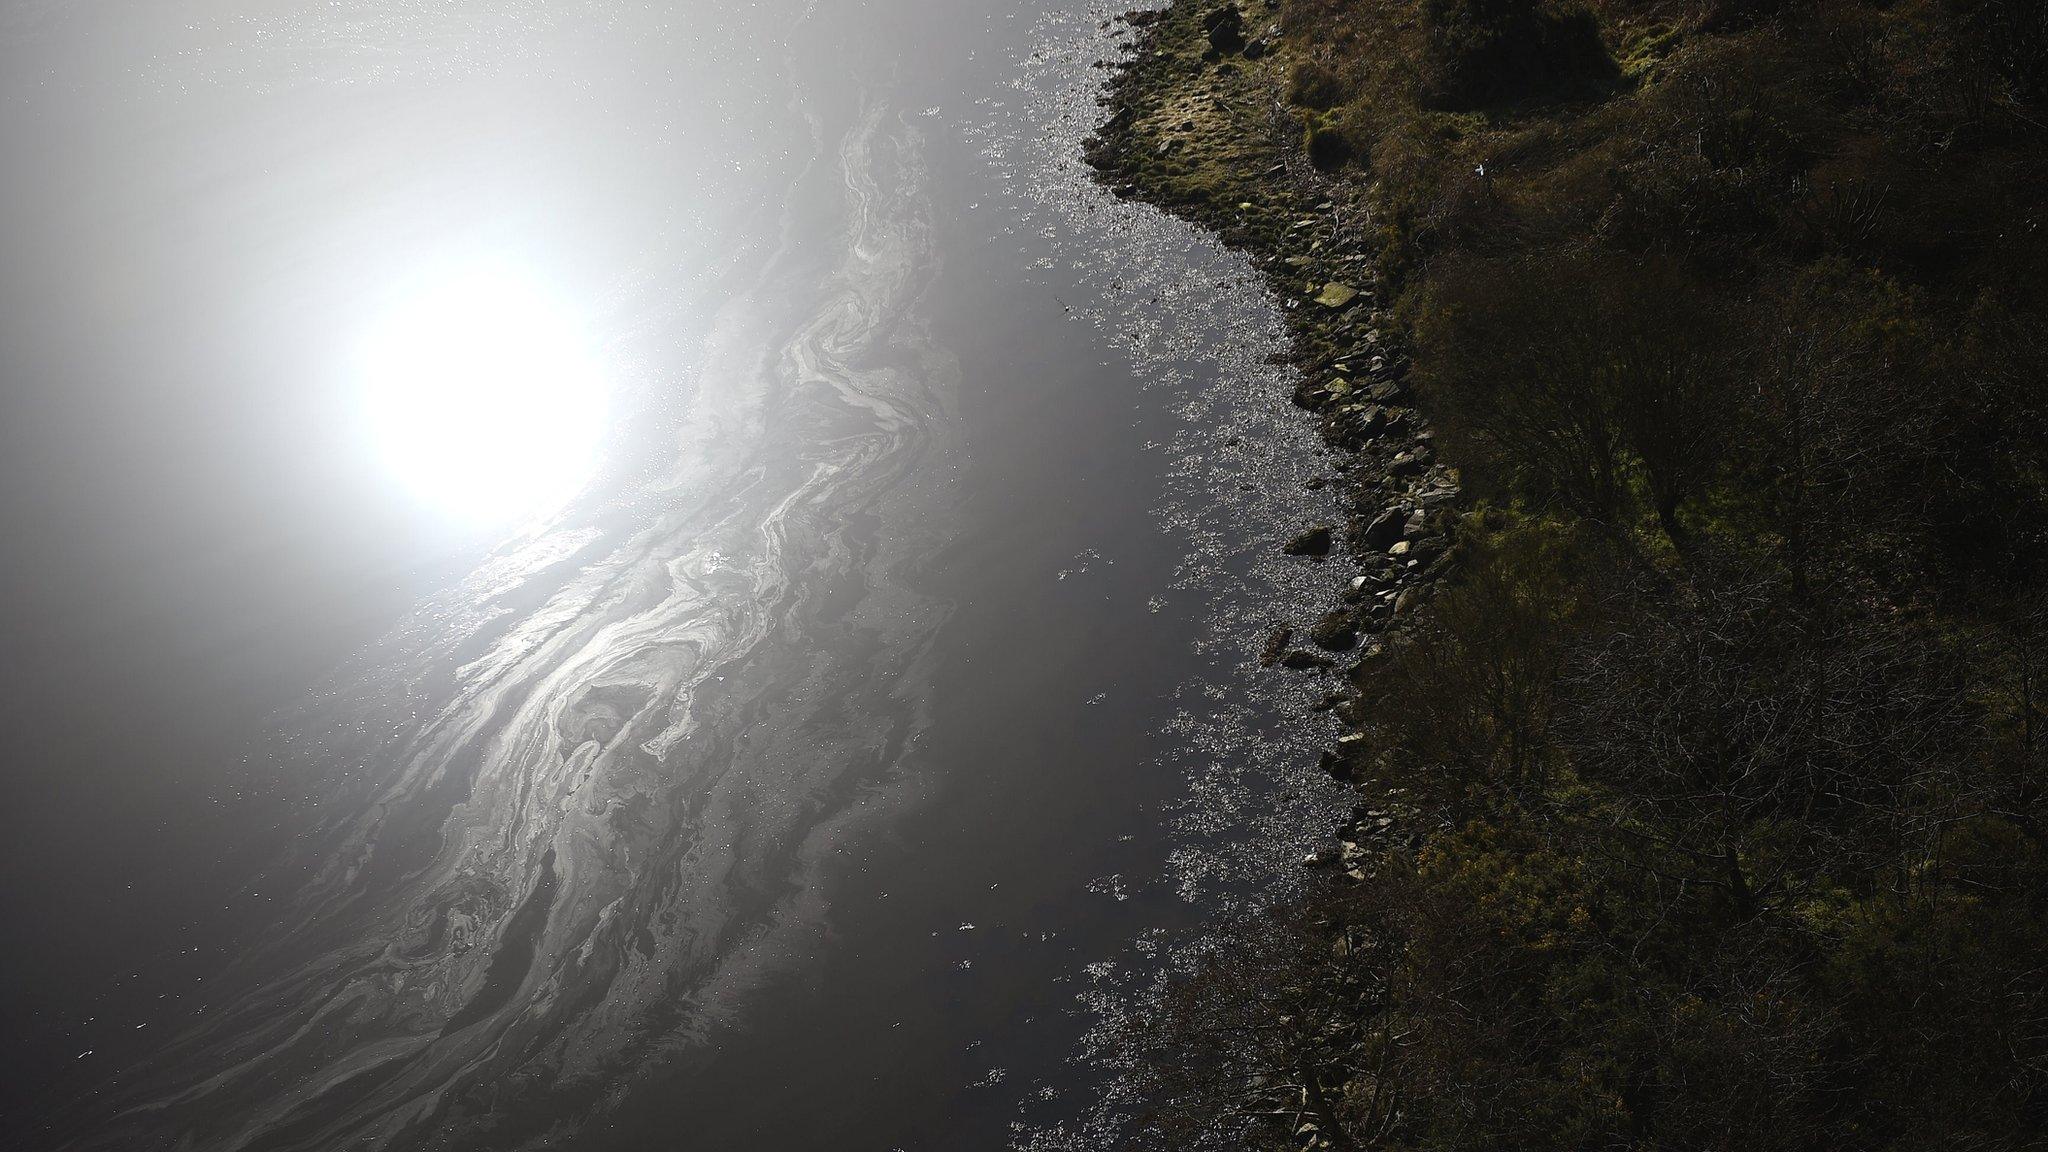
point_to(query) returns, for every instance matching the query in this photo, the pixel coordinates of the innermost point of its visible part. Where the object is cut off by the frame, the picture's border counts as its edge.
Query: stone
(1336, 631)
(1336, 294)
(1302, 660)
(1225, 27)
(1313, 542)
(1383, 531)
(1353, 424)
(1276, 643)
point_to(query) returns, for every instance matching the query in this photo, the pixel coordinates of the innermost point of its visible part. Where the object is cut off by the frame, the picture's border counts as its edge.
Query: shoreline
(1175, 138)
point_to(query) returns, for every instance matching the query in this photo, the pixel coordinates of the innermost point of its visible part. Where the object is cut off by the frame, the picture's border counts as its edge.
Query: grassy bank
(1691, 628)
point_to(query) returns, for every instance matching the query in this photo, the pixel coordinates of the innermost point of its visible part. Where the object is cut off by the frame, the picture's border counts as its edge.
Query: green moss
(1644, 48)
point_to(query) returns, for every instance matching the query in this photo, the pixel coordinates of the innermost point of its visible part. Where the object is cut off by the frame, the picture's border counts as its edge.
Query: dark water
(872, 723)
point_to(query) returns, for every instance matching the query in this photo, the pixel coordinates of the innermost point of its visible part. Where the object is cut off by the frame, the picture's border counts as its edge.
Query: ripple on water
(571, 812)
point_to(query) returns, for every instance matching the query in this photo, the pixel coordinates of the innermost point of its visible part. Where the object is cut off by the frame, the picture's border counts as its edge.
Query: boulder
(1301, 660)
(1336, 631)
(1314, 542)
(1386, 528)
(1276, 643)
(1225, 27)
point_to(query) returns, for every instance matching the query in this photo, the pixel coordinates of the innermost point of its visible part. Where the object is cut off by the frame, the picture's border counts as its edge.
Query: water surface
(802, 779)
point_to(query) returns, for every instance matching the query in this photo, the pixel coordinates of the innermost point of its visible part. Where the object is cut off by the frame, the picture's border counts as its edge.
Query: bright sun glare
(484, 396)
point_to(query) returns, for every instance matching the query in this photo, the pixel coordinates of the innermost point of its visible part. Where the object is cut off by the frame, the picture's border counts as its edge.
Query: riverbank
(1209, 138)
(1687, 567)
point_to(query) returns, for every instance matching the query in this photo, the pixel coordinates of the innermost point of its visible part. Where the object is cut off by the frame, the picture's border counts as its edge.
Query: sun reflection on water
(483, 395)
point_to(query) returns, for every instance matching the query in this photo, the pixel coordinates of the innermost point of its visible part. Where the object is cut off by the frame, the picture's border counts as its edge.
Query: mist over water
(881, 705)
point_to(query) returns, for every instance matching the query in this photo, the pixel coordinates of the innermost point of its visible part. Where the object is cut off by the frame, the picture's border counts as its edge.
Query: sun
(484, 397)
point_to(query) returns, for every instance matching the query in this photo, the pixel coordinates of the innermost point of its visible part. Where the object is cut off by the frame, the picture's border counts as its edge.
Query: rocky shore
(1197, 125)
(1693, 720)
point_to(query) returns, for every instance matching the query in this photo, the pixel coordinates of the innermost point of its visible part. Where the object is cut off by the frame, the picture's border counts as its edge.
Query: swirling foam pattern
(587, 799)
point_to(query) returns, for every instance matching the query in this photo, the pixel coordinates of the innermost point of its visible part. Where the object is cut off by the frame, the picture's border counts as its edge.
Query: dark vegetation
(1703, 806)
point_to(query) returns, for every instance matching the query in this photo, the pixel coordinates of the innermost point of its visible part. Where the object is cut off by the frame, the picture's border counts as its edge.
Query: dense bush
(1482, 52)
(1681, 864)
(1597, 384)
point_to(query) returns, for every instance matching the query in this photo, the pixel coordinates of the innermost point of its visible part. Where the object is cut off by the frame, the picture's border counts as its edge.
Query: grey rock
(1313, 542)
(1385, 528)
(1225, 27)
(1335, 632)
(1276, 643)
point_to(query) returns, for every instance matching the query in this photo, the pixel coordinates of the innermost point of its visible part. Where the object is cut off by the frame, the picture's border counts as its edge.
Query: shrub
(1312, 84)
(1586, 378)
(1484, 52)
(1328, 142)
